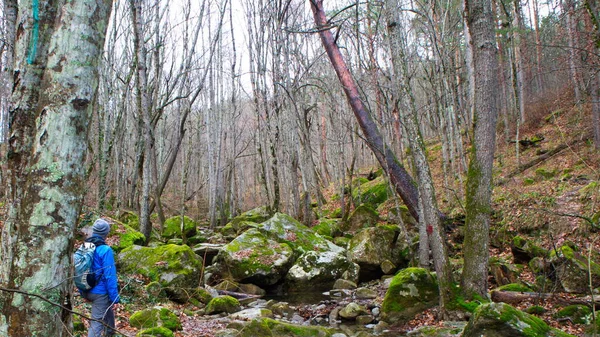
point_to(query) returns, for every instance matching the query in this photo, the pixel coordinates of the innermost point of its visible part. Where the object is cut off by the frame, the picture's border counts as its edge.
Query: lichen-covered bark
(57, 49)
(430, 225)
(484, 85)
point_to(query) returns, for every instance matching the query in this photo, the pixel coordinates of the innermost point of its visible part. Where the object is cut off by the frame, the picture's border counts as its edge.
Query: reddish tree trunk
(401, 180)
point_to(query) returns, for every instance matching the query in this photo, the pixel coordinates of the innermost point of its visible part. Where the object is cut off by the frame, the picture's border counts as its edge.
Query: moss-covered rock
(319, 270)
(373, 246)
(572, 269)
(373, 192)
(578, 314)
(282, 329)
(173, 228)
(411, 291)
(203, 295)
(502, 320)
(362, 217)
(515, 287)
(285, 229)
(524, 250)
(176, 268)
(129, 237)
(130, 218)
(155, 332)
(235, 228)
(328, 227)
(353, 310)
(220, 304)
(503, 271)
(256, 215)
(253, 258)
(155, 317)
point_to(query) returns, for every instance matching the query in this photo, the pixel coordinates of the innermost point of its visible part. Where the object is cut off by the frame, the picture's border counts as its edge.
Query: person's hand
(117, 307)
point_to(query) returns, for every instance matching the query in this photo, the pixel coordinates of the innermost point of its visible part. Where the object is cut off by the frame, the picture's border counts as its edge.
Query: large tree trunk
(484, 88)
(403, 183)
(55, 82)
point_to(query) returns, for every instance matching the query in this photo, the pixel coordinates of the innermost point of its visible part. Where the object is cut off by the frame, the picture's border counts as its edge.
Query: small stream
(321, 304)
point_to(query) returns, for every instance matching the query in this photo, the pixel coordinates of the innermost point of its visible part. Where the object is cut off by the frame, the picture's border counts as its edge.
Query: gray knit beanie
(101, 228)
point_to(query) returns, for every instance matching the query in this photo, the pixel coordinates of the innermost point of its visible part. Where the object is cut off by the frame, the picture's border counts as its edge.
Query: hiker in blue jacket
(106, 293)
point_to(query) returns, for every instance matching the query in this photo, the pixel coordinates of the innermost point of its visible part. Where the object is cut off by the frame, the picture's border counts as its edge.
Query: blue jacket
(105, 269)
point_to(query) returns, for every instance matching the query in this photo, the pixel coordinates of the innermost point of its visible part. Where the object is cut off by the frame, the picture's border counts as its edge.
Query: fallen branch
(515, 297)
(239, 296)
(522, 168)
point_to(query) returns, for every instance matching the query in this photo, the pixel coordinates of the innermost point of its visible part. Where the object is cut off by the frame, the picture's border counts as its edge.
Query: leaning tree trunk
(402, 181)
(56, 62)
(483, 90)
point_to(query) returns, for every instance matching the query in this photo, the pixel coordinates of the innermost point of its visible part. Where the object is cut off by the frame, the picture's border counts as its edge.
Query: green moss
(579, 314)
(411, 290)
(155, 332)
(129, 238)
(459, 302)
(564, 251)
(252, 253)
(172, 227)
(257, 327)
(221, 304)
(163, 264)
(515, 287)
(282, 329)
(501, 316)
(131, 219)
(535, 310)
(589, 190)
(327, 227)
(373, 192)
(155, 317)
(545, 173)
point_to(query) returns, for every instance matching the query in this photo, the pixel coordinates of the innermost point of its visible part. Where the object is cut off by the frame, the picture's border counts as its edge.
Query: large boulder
(263, 255)
(411, 291)
(373, 192)
(327, 227)
(318, 271)
(128, 237)
(253, 257)
(502, 320)
(174, 225)
(285, 229)
(176, 268)
(572, 270)
(256, 215)
(374, 247)
(362, 217)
